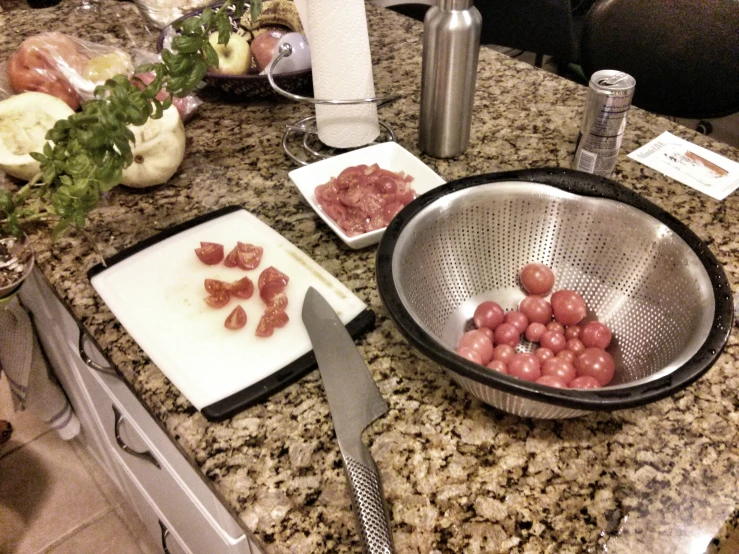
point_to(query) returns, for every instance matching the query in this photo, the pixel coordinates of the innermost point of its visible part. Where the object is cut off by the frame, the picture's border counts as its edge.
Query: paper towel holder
(310, 146)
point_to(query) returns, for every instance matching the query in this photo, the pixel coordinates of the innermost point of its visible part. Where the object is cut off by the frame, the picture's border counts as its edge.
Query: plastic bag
(70, 68)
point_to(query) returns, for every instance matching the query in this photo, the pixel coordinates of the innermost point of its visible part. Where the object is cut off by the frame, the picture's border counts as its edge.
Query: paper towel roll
(342, 70)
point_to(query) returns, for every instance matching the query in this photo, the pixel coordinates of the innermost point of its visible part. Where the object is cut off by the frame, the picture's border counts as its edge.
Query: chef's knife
(355, 402)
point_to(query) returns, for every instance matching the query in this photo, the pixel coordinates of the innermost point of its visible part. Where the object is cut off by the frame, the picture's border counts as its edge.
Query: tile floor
(56, 499)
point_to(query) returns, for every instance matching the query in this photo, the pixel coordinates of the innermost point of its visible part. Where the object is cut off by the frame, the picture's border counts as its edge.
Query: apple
(263, 46)
(234, 56)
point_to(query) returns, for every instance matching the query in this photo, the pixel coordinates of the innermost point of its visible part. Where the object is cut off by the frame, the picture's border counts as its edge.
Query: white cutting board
(157, 295)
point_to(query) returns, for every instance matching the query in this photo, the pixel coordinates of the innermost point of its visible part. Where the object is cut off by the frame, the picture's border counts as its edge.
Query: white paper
(342, 70)
(692, 165)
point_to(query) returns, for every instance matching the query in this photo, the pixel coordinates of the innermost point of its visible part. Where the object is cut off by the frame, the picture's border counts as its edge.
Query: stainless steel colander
(640, 271)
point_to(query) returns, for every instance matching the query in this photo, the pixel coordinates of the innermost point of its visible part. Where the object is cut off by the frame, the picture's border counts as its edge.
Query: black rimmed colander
(641, 272)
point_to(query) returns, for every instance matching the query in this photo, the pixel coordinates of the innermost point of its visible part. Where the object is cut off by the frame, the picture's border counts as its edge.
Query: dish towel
(31, 383)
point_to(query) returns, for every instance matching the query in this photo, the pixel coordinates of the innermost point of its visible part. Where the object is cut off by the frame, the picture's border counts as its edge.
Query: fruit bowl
(247, 86)
(644, 274)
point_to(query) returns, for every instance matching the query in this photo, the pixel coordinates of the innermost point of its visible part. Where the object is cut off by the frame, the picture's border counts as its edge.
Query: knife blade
(355, 402)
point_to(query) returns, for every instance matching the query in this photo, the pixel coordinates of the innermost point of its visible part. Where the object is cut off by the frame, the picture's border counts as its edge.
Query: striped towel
(32, 385)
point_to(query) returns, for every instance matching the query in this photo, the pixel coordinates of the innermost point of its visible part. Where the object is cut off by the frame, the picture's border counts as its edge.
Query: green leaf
(211, 57)
(255, 8)
(6, 202)
(187, 44)
(206, 17)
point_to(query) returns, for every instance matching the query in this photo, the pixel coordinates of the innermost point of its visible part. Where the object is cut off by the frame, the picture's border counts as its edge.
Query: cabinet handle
(165, 534)
(145, 455)
(89, 362)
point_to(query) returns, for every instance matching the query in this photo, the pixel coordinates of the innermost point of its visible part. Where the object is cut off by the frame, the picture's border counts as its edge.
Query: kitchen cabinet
(173, 501)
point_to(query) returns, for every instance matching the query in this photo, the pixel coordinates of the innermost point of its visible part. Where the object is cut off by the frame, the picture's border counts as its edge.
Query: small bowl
(388, 155)
(248, 87)
(20, 259)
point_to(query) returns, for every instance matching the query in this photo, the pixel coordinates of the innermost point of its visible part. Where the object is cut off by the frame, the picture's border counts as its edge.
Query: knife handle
(373, 523)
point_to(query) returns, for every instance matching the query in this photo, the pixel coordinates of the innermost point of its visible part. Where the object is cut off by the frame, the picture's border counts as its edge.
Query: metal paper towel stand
(312, 148)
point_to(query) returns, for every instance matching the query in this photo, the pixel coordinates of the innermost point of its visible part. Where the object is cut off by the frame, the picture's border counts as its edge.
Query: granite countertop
(459, 476)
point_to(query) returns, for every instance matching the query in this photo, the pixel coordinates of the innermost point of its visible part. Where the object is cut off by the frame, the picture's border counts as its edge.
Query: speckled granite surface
(459, 476)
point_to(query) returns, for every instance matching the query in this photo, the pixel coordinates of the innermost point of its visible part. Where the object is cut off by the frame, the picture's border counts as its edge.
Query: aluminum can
(602, 130)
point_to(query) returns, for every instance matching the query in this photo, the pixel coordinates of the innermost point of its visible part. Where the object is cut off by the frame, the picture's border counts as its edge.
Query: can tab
(613, 79)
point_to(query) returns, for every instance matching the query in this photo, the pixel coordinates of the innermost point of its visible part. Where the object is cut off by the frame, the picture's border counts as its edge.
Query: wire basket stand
(309, 148)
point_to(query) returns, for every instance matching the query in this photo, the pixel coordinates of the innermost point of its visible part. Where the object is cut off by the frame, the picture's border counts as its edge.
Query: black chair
(544, 27)
(684, 54)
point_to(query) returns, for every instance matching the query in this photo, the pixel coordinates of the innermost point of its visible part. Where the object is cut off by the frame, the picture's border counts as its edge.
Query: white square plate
(388, 155)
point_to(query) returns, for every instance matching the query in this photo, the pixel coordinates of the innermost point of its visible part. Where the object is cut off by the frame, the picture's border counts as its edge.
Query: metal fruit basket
(640, 271)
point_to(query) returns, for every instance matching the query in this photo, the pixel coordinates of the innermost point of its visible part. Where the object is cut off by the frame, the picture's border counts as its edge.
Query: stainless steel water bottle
(451, 43)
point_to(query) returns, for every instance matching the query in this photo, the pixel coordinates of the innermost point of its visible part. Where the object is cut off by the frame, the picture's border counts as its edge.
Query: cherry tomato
(271, 290)
(551, 381)
(503, 353)
(575, 346)
(270, 319)
(210, 253)
(518, 320)
(497, 365)
(572, 331)
(236, 319)
(488, 314)
(596, 362)
(556, 327)
(469, 354)
(214, 286)
(525, 366)
(271, 274)
(537, 279)
(534, 331)
(230, 260)
(567, 355)
(248, 256)
(553, 341)
(489, 332)
(584, 382)
(478, 341)
(595, 333)
(560, 368)
(543, 354)
(243, 288)
(505, 333)
(536, 309)
(218, 300)
(568, 307)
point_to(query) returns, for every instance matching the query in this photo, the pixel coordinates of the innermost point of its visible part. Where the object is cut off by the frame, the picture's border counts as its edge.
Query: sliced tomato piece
(214, 286)
(210, 253)
(271, 274)
(236, 319)
(248, 256)
(230, 260)
(243, 288)
(273, 294)
(271, 319)
(218, 300)
(264, 328)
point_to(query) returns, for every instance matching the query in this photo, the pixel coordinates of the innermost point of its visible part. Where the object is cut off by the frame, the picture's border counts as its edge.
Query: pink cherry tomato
(575, 346)
(488, 314)
(536, 309)
(503, 353)
(469, 354)
(525, 366)
(505, 333)
(478, 341)
(584, 382)
(568, 307)
(534, 331)
(595, 333)
(560, 368)
(553, 341)
(497, 365)
(543, 354)
(568, 355)
(537, 279)
(572, 331)
(556, 327)
(551, 381)
(597, 363)
(489, 332)
(518, 320)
